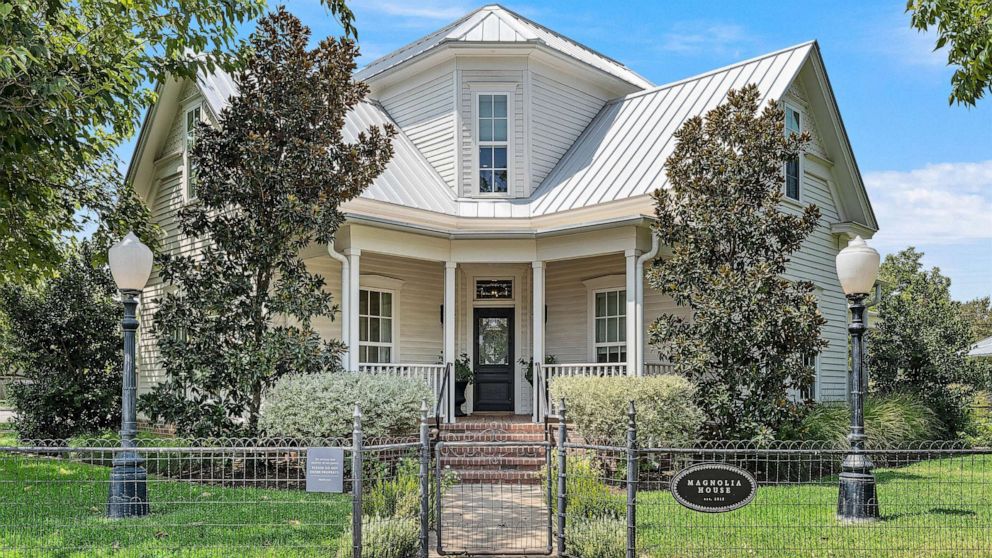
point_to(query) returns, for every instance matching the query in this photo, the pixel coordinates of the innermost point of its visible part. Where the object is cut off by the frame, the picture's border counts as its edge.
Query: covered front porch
(414, 304)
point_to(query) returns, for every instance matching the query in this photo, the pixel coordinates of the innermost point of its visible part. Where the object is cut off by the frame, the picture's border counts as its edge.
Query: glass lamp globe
(857, 267)
(130, 263)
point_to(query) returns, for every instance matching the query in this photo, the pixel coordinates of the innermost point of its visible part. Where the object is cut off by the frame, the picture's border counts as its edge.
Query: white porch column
(537, 311)
(449, 333)
(631, 314)
(354, 286)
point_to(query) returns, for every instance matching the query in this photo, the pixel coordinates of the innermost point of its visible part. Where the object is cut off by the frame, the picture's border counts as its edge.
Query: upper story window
(492, 127)
(793, 172)
(192, 119)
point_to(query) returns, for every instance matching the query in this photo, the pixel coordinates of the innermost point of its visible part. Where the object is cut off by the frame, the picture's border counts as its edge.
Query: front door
(493, 358)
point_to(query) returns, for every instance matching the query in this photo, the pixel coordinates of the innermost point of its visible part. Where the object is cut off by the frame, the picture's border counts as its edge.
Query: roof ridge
(708, 73)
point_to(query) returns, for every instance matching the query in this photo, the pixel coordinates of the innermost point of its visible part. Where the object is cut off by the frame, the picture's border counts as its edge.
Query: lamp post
(857, 269)
(130, 264)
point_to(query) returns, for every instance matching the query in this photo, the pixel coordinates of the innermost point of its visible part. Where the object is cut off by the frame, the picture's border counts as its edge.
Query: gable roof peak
(494, 23)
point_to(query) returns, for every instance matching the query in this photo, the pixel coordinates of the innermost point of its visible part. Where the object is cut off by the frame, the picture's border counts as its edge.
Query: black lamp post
(131, 265)
(857, 500)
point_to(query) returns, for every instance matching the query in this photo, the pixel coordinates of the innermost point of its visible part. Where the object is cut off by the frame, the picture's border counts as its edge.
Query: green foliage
(396, 495)
(598, 407)
(597, 538)
(890, 421)
(920, 339)
(752, 331)
(980, 419)
(75, 78)
(65, 339)
(529, 364)
(270, 180)
(321, 405)
(384, 537)
(964, 27)
(463, 369)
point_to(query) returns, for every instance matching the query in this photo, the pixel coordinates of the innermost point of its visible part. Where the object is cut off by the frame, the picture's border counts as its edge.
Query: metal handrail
(442, 397)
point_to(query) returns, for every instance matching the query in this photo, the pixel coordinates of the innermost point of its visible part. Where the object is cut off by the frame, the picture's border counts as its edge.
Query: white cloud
(706, 38)
(943, 203)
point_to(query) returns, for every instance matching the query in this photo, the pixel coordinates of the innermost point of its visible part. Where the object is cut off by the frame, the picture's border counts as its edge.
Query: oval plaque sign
(714, 487)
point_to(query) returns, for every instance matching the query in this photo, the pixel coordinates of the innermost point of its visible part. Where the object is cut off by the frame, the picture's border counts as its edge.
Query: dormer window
(793, 172)
(192, 119)
(492, 133)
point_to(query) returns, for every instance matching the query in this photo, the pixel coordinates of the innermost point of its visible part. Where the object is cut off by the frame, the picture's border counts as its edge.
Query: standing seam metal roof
(621, 154)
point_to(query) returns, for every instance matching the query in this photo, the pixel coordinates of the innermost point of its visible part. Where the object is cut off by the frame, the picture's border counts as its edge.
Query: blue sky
(928, 165)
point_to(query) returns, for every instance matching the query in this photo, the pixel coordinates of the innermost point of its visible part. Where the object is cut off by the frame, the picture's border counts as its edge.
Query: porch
(414, 306)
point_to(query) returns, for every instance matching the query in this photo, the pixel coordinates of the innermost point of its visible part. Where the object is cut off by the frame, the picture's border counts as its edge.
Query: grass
(936, 508)
(52, 507)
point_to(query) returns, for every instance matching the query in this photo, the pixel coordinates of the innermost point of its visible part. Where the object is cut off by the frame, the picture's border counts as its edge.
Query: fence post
(356, 485)
(632, 466)
(562, 492)
(425, 489)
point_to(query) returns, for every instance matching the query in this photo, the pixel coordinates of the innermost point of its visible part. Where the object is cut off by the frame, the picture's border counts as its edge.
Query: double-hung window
(192, 119)
(375, 326)
(793, 125)
(493, 143)
(610, 328)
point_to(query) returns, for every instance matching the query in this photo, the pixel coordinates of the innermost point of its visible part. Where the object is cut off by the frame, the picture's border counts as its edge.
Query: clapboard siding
(559, 113)
(475, 80)
(426, 113)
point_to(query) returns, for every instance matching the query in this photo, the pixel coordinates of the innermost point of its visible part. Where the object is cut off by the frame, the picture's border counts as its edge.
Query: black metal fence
(602, 499)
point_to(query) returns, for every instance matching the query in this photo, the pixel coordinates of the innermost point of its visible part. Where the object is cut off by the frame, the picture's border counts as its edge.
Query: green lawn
(56, 508)
(936, 508)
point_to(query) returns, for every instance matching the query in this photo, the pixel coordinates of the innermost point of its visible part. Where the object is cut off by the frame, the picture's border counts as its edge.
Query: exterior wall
(474, 81)
(426, 114)
(559, 113)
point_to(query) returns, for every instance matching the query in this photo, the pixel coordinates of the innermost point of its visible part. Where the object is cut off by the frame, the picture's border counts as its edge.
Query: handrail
(442, 398)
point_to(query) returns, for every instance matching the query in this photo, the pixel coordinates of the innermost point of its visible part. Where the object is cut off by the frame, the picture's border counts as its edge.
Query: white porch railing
(658, 368)
(432, 374)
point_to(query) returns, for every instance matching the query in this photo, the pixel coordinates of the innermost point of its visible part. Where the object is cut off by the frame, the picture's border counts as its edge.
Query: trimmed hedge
(322, 405)
(598, 407)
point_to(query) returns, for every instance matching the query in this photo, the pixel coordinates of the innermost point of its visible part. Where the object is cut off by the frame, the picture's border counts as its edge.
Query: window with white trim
(192, 118)
(492, 139)
(610, 327)
(793, 126)
(375, 326)
(808, 392)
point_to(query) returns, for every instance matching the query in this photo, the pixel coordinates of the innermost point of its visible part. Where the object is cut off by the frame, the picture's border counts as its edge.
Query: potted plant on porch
(464, 374)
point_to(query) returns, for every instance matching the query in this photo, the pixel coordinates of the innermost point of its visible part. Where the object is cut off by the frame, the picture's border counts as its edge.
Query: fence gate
(493, 496)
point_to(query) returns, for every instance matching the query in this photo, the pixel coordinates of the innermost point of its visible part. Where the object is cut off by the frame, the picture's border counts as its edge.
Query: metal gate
(500, 503)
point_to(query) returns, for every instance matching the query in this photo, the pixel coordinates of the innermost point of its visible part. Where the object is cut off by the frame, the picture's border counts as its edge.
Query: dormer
(494, 100)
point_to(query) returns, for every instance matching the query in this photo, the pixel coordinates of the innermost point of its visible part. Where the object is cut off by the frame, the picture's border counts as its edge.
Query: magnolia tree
(269, 181)
(752, 331)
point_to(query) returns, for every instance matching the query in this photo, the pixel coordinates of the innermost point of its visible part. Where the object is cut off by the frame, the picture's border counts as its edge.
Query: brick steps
(481, 464)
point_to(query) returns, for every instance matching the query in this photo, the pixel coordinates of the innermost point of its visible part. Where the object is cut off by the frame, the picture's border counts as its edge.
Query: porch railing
(433, 375)
(658, 368)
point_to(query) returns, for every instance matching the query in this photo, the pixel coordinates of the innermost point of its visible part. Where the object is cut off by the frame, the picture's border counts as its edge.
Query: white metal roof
(622, 153)
(409, 180)
(983, 348)
(496, 24)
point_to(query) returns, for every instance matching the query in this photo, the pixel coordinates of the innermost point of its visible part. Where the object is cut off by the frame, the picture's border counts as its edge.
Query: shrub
(65, 338)
(321, 405)
(396, 537)
(890, 420)
(598, 407)
(588, 496)
(596, 538)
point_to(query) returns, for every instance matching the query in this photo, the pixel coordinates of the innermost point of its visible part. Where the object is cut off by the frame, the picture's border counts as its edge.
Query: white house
(514, 219)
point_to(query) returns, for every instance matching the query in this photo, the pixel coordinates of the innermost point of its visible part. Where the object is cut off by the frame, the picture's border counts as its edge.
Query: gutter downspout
(345, 299)
(639, 302)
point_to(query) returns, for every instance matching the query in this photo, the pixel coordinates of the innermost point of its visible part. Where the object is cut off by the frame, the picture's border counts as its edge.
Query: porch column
(538, 313)
(631, 313)
(449, 333)
(354, 288)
